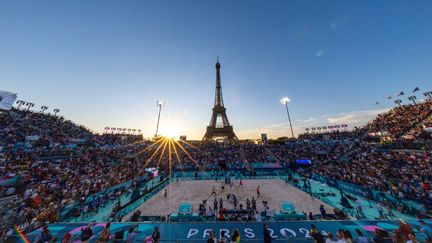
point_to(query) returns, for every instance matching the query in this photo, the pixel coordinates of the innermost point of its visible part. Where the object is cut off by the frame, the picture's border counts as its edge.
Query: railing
(133, 205)
(67, 209)
(10, 214)
(7, 200)
(9, 218)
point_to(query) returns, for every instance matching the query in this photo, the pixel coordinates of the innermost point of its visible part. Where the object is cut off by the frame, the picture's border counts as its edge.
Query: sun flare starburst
(167, 150)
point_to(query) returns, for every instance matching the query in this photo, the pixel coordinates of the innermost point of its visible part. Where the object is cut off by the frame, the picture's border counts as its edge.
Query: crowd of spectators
(17, 126)
(401, 119)
(257, 153)
(403, 174)
(58, 162)
(209, 156)
(332, 134)
(353, 157)
(422, 132)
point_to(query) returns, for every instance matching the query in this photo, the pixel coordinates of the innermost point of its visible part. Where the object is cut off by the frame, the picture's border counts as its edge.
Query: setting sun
(170, 132)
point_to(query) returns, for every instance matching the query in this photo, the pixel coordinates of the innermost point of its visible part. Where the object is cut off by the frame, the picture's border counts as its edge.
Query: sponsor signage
(248, 230)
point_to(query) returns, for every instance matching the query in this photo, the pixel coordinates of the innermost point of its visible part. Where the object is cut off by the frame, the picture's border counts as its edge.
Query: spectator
(45, 236)
(156, 235)
(258, 217)
(381, 236)
(330, 238)
(361, 238)
(311, 216)
(348, 236)
(86, 233)
(212, 238)
(222, 238)
(425, 229)
(267, 235)
(316, 235)
(412, 239)
(340, 237)
(404, 230)
(235, 238)
(323, 211)
(105, 234)
(132, 234)
(67, 238)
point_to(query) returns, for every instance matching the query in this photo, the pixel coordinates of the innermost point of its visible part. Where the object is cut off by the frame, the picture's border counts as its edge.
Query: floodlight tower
(29, 105)
(44, 108)
(19, 103)
(56, 110)
(398, 102)
(159, 104)
(413, 99)
(285, 101)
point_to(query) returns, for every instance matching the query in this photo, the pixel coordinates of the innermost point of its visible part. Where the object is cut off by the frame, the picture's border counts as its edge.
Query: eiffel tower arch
(219, 126)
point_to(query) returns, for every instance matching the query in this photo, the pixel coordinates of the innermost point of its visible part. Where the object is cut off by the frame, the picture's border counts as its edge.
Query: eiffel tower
(219, 126)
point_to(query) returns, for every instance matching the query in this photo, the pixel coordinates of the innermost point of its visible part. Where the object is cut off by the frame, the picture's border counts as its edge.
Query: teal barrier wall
(247, 230)
(375, 195)
(67, 209)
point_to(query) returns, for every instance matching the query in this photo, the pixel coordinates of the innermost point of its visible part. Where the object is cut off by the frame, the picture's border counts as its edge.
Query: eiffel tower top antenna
(218, 91)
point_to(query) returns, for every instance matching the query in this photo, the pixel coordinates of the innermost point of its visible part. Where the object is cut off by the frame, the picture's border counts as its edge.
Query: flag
(401, 93)
(377, 103)
(416, 89)
(389, 98)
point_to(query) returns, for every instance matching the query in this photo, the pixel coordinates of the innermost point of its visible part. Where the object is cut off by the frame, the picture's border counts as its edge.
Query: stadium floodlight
(159, 104)
(20, 103)
(56, 110)
(29, 105)
(44, 108)
(428, 94)
(285, 101)
(413, 99)
(398, 102)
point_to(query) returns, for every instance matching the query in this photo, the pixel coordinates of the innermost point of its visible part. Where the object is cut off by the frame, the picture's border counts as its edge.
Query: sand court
(273, 191)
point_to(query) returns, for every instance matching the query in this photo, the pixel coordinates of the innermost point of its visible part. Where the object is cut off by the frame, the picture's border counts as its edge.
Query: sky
(105, 63)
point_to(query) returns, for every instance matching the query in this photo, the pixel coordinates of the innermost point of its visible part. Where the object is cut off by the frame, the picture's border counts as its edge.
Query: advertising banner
(354, 189)
(344, 186)
(200, 231)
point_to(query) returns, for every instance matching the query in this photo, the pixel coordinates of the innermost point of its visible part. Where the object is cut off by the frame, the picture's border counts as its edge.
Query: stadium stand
(53, 170)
